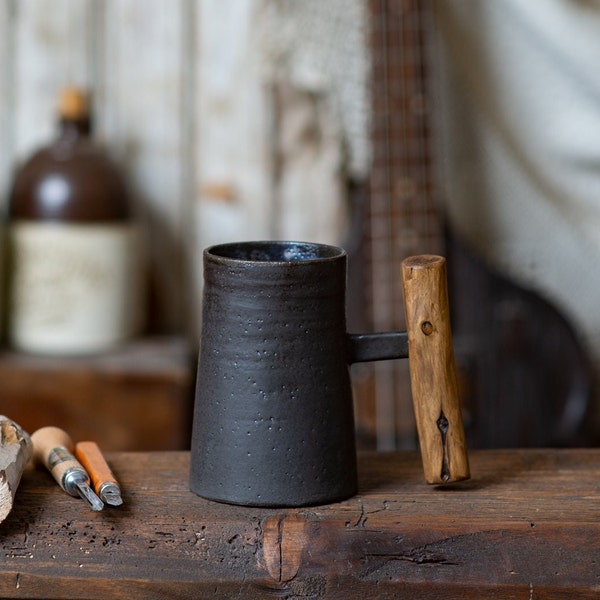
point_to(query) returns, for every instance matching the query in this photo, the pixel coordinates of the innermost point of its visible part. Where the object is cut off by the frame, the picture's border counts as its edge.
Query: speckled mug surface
(273, 417)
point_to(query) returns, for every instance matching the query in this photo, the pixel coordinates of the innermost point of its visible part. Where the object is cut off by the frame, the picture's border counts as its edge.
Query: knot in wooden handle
(432, 371)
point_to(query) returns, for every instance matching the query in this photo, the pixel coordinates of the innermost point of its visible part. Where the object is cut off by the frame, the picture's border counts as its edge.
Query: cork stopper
(73, 104)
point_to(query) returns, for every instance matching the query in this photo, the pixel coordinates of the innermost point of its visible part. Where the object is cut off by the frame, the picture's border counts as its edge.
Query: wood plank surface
(526, 526)
(7, 100)
(182, 101)
(50, 50)
(141, 86)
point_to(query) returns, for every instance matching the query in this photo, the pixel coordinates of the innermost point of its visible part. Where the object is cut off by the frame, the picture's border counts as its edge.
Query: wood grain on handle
(432, 371)
(53, 448)
(91, 457)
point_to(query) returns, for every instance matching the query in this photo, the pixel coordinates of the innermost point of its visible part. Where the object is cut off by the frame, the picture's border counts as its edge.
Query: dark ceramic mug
(273, 417)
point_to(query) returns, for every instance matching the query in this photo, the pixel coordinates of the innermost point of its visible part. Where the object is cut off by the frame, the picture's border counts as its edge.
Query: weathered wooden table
(526, 526)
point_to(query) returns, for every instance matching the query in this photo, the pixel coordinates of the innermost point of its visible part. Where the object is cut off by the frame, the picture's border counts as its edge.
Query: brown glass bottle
(75, 257)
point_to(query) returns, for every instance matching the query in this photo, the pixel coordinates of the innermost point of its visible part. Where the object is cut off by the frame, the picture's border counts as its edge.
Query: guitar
(524, 378)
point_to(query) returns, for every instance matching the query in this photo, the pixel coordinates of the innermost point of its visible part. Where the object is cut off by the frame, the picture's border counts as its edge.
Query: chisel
(103, 480)
(53, 448)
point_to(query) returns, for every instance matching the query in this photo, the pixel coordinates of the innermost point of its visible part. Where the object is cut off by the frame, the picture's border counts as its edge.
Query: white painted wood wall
(215, 148)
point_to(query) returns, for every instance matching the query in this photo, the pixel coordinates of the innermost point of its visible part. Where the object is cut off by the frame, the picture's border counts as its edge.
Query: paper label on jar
(75, 288)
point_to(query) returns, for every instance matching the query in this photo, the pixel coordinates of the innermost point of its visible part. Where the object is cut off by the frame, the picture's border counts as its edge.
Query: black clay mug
(273, 416)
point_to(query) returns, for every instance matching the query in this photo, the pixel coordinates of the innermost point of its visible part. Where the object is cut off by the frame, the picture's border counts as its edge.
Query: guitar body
(524, 378)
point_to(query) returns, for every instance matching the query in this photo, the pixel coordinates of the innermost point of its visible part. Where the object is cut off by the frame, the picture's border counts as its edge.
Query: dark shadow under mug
(273, 415)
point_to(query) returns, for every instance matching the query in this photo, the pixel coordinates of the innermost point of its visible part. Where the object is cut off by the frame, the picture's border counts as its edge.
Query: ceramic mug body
(273, 421)
(273, 414)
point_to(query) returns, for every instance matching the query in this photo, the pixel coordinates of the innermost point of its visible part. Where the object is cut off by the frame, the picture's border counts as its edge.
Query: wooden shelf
(136, 397)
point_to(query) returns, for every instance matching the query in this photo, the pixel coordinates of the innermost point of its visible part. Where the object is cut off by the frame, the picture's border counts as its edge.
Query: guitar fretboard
(402, 217)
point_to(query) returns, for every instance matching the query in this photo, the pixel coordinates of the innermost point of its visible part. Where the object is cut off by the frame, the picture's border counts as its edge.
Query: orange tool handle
(90, 456)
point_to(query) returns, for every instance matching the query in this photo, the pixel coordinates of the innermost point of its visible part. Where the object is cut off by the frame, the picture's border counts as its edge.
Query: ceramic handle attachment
(432, 370)
(367, 347)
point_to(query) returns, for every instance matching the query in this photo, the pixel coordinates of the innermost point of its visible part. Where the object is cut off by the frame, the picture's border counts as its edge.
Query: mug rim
(329, 252)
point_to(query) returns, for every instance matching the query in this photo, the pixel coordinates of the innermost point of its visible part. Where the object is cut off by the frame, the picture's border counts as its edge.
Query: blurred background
(391, 127)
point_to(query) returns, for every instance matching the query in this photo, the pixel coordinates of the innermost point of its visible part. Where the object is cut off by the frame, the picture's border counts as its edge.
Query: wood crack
(283, 542)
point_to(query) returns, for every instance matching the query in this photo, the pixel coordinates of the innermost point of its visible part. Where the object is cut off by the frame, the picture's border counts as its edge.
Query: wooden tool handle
(52, 447)
(91, 457)
(432, 371)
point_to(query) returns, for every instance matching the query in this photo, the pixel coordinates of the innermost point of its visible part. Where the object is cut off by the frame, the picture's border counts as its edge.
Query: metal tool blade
(111, 494)
(88, 494)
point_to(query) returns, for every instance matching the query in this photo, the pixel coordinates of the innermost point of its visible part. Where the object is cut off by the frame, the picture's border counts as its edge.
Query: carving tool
(103, 480)
(53, 447)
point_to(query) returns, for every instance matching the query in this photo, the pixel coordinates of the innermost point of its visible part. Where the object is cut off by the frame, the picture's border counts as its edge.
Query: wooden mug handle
(432, 371)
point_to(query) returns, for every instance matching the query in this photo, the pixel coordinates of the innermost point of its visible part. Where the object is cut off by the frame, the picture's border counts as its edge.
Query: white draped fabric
(520, 144)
